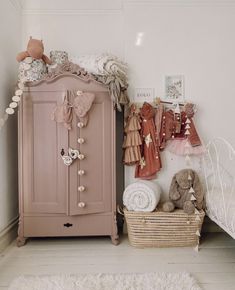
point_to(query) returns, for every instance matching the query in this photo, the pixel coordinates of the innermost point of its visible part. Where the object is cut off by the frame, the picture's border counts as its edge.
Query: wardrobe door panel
(44, 173)
(93, 190)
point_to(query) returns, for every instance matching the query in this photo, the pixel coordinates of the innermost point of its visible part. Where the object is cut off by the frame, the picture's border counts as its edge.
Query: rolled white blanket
(102, 64)
(142, 196)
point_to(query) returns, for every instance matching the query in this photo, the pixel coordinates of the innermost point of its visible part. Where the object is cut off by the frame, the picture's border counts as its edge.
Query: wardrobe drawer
(67, 226)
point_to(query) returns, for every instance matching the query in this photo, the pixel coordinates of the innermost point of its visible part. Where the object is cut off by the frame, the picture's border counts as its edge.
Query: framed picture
(174, 88)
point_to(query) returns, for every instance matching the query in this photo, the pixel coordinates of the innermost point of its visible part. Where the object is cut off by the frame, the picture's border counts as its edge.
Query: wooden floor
(213, 266)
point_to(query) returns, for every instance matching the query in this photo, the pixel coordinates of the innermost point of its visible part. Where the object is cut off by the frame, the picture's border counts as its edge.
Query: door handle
(72, 155)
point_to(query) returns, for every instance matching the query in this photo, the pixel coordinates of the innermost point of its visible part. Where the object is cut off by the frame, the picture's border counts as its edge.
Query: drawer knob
(81, 188)
(80, 125)
(81, 156)
(81, 172)
(81, 204)
(81, 140)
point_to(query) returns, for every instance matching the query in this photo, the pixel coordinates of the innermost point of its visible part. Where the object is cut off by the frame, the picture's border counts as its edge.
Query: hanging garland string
(14, 104)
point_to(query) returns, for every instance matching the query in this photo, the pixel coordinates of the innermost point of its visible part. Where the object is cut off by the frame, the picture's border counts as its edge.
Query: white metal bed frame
(219, 172)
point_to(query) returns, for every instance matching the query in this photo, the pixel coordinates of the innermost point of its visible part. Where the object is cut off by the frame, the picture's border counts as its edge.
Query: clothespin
(177, 109)
(133, 108)
(157, 101)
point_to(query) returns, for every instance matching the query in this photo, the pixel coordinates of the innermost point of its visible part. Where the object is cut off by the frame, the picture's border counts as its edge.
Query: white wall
(194, 38)
(197, 41)
(10, 35)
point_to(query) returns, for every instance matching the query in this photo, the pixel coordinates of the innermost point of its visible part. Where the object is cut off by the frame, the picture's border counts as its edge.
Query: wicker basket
(162, 229)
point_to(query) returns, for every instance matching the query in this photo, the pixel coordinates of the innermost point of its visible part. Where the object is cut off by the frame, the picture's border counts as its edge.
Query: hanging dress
(150, 162)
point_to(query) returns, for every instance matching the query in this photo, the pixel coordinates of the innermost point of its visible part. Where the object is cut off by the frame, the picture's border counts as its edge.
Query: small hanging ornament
(187, 132)
(187, 121)
(13, 105)
(15, 98)
(18, 92)
(196, 211)
(188, 160)
(193, 198)
(21, 85)
(10, 111)
(187, 126)
(191, 190)
(142, 163)
(198, 233)
(148, 140)
(197, 218)
(187, 145)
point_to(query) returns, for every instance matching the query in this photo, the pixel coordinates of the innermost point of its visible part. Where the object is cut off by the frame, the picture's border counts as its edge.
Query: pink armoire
(56, 199)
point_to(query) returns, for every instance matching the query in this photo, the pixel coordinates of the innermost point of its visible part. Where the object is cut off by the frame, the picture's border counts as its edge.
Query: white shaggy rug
(134, 281)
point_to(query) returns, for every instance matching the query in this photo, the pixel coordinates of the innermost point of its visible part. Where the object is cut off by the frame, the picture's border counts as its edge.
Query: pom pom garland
(10, 110)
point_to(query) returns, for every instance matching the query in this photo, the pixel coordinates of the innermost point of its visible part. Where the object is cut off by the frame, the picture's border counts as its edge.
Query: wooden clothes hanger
(158, 101)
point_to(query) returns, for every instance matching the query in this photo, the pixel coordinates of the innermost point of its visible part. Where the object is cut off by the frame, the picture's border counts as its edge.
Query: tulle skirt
(183, 147)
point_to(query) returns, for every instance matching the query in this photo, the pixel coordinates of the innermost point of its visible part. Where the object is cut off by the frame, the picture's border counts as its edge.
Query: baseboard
(8, 234)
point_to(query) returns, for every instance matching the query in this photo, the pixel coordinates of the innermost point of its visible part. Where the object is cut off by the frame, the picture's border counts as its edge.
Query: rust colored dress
(132, 140)
(150, 162)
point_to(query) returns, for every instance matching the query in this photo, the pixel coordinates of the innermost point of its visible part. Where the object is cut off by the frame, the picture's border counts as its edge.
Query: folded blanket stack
(142, 196)
(109, 70)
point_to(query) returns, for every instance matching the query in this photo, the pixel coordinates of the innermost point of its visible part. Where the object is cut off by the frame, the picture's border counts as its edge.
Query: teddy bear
(35, 50)
(185, 192)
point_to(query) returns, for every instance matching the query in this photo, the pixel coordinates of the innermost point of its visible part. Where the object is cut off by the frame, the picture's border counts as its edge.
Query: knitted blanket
(142, 196)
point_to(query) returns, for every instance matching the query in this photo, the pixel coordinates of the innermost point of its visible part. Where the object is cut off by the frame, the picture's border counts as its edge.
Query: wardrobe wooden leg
(115, 240)
(20, 241)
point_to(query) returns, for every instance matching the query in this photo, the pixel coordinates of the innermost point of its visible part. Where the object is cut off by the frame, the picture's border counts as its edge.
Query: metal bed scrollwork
(219, 172)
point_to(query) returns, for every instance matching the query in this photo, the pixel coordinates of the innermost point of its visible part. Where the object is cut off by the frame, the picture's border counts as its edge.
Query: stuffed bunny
(186, 192)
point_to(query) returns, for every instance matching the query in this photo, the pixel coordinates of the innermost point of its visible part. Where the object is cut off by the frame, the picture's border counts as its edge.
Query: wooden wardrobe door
(45, 181)
(97, 165)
